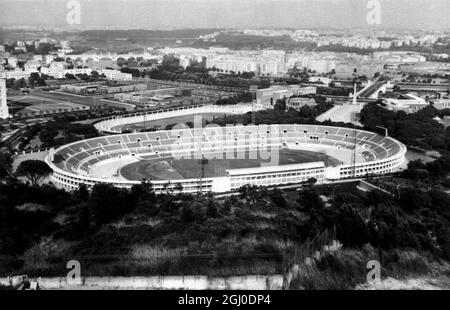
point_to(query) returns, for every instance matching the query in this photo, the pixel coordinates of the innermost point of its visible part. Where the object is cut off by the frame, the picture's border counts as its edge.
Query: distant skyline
(170, 14)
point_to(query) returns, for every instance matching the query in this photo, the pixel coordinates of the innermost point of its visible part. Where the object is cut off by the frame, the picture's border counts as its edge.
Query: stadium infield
(178, 169)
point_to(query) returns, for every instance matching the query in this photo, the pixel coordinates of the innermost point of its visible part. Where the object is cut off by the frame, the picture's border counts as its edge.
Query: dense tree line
(434, 171)
(241, 97)
(414, 219)
(28, 135)
(415, 129)
(59, 133)
(88, 114)
(279, 115)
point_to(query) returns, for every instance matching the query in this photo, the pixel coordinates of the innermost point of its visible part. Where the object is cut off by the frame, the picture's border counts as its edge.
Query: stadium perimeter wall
(108, 125)
(263, 176)
(251, 282)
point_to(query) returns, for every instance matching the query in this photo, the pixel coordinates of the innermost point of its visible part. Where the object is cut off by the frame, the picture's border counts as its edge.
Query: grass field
(35, 104)
(77, 99)
(173, 169)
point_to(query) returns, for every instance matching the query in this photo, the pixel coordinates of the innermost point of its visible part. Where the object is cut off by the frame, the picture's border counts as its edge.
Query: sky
(167, 14)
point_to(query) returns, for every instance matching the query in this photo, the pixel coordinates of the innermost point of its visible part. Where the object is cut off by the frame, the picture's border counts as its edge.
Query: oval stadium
(223, 159)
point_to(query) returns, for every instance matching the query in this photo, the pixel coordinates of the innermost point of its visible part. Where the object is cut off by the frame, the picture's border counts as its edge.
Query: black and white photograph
(224, 152)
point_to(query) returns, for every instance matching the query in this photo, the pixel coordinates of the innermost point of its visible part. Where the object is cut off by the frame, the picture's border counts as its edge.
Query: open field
(173, 169)
(32, 105)
(83, 100)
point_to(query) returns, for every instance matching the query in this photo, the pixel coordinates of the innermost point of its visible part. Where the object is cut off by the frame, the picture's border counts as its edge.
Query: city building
(297, 103)
(17, 74)
(441, 104)
(4, 112)
(408, 103)
(267, 62)
(80, 89)
(60, 72)
(147, 96)
(12, 62)
(116, 75)
(320, 79)
(308, 90)
(399, 57)
(99, 87)
(347, 69)
(267, 97)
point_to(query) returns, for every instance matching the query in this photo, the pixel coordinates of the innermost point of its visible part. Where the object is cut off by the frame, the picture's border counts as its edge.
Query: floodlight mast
(202, 161)
(355, 132)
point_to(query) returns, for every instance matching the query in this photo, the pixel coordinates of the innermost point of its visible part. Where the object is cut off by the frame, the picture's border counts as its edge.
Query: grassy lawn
(192, 168)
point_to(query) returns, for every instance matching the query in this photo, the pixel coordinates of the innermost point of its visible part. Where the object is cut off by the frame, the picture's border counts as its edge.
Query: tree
(5, 165)
(69, 76)
(309, 199)
(82, 193)
(143, 195)
(227, 206)
(249, 193)
(277, 197)
(350, 225)
(311, 181)
(280, 105)
(179, 188)
(107, 203)
(447, 137)
(82, 224)
(34, 170)
(211, 209)
(187, 214)
(36, 79)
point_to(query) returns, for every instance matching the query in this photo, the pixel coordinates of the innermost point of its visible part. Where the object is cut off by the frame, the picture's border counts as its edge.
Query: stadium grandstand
(356, 154)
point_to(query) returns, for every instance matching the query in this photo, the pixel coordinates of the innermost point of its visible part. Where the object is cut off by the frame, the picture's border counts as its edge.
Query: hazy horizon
(179, 14)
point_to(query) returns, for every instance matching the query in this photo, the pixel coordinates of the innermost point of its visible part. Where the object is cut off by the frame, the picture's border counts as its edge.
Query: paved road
(371, 89)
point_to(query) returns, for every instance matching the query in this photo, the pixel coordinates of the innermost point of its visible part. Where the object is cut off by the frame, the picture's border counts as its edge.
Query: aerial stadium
(223, 159)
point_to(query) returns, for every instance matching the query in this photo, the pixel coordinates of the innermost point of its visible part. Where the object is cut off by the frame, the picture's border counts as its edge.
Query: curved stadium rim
(389, 163)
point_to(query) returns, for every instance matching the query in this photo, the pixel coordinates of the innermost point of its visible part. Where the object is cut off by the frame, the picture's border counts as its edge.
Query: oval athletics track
(169, 168)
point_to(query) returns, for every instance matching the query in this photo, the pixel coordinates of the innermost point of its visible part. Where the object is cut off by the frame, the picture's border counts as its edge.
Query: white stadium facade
(98, 160)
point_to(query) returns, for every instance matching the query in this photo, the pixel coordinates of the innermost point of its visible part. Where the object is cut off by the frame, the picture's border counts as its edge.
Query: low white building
(116, 75)
(32, 65)
(409, 104)
(12, 62)
(17, 74)
(265, 63)
(320, 79)
(58, 73)
(441, 104)
(4, 112)
(297, 103)
(308, 90)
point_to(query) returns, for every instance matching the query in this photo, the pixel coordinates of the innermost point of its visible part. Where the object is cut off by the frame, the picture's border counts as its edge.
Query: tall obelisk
(4, 112)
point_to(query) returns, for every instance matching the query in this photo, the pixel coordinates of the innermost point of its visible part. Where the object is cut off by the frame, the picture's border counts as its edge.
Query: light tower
(4, 112)
(354, 95)
(355, 133)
